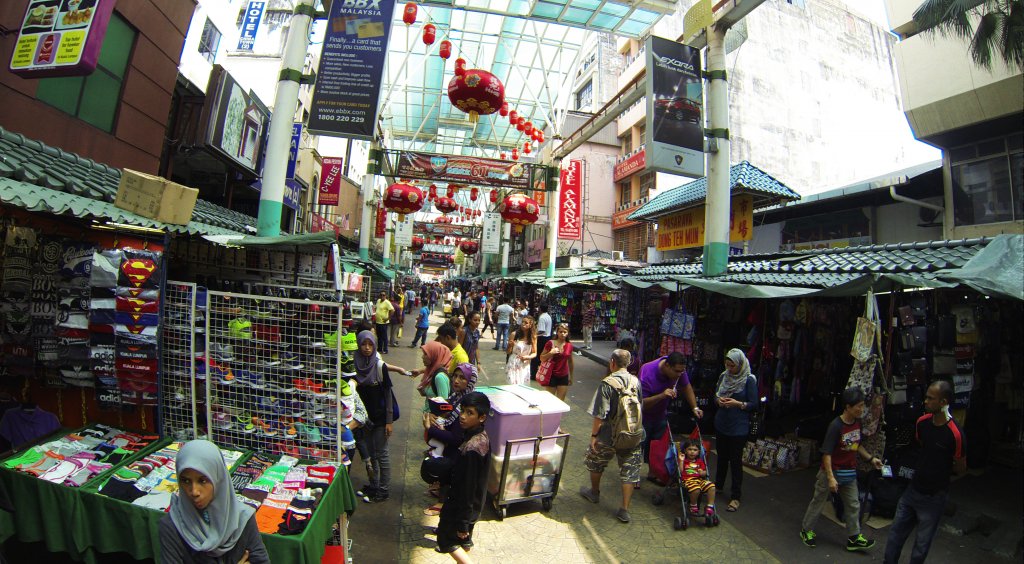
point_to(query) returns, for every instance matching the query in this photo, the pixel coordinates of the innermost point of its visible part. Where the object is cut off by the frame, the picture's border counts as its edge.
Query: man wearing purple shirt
(660, 382)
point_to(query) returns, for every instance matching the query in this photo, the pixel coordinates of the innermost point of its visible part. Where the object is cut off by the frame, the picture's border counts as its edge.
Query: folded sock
(271, 512)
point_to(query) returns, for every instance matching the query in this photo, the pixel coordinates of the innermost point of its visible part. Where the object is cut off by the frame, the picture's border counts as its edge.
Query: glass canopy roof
(531, 46)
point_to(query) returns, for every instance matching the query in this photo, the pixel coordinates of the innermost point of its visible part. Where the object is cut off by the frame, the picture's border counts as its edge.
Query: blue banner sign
(347, 92)
(250, 24)
(293, 151)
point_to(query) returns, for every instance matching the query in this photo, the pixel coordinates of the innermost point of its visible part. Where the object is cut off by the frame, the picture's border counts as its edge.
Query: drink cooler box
(522, 412)
(520, 468)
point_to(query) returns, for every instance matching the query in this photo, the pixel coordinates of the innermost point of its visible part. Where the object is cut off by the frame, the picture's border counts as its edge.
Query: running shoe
(253, 379)
(222, 420)
(245, 424)
(266, 429)
(288, 427)
(308, 431)
(328, 433)
(222, 352)
(348, 341)
(269, 406)
(292, 362)
(240, 328)
(348, 367)
(859, 543)
(314, 410)
(223, 375)
(295, 409)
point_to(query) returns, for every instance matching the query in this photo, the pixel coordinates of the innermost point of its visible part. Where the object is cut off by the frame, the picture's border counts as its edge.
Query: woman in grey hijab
(736, 396)
(206, 524)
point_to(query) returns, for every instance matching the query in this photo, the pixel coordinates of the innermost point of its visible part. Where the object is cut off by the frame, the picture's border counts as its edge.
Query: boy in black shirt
(922, 505)
(469, 481)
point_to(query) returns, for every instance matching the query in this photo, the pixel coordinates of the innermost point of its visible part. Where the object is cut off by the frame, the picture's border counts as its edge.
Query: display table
(86, 525)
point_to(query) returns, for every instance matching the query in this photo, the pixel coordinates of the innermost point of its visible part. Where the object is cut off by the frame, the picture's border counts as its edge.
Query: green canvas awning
(997, 270)
(739, 290)
(324, 238)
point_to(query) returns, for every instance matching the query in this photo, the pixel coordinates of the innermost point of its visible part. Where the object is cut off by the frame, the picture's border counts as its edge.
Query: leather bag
(920, 373)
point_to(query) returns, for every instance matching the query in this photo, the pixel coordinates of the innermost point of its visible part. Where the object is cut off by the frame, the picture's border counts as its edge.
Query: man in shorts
(604, 408)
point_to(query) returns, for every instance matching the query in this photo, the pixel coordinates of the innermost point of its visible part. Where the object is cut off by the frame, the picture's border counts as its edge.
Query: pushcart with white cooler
(527, 447)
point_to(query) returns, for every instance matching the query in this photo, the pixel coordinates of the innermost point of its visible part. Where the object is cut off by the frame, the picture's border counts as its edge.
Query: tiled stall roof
(830, 267)
(743, 176)
(37, 177)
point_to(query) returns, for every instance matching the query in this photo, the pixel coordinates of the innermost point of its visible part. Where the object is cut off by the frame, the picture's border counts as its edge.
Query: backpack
(627, 430)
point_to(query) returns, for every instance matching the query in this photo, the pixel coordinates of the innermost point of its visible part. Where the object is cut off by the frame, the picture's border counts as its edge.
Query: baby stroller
(664, 463)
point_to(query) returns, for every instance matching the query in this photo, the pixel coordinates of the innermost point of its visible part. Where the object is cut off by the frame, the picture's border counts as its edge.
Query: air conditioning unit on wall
(617, 255)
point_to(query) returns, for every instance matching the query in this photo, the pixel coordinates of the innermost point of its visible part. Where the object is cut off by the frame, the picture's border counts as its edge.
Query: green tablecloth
(86, 524)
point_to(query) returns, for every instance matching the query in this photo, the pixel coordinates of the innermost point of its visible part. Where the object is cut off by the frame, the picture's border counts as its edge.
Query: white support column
(552, 227)
(366, 223)
(388, 228)
(716, 235)
(506, 242)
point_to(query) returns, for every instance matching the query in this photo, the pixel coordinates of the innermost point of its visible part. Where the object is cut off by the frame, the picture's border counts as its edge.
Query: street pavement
(575, 530)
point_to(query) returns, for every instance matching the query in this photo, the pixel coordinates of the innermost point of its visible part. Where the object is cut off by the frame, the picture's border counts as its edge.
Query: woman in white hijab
(736, 396)
(206, 524)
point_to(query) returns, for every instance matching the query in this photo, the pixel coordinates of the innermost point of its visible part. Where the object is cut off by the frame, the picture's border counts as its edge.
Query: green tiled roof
(38, 178)
(827, 268)
(743, 177)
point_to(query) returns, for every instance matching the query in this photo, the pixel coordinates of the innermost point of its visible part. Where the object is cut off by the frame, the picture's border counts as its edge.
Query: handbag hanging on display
(919, 375)
(906, 314)
(868, 330)
(898, 392)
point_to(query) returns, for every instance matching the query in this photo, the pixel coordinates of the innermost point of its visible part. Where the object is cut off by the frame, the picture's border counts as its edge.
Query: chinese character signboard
(675, 101)
(250, 24)
(403, 231)
(382, 222)
(491, 240)
(570, 216)
(627, 167)
(347, 91)
(60, 37)
(686, 229)
(330, 181)
(463, 170)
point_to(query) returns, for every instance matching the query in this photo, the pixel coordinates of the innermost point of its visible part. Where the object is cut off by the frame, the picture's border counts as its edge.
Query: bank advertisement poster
(675, 102)
(330, 181)
(60, 37)
(347, 92)
(491, 241)
(570, 215)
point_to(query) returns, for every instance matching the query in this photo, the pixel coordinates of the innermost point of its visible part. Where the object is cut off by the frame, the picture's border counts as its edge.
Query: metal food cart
(539, 479)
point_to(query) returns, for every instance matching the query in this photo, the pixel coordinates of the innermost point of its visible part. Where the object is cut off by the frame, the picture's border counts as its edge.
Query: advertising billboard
(60, 37)
(686, 229)
(330, 181)
(347, 92)
(570, 210)
(462, 170)
(235, 120)
(674, 134)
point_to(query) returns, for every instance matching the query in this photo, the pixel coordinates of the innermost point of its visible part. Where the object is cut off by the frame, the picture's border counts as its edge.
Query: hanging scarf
(730, 383)
(455, 399)
(367, 372)
(439, 357)
(218, 530)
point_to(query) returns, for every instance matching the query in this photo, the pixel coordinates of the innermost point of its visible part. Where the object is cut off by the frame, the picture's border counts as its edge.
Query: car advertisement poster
(462, 170)
(330, 181)
(60, 37)
(347, 92)
(236, 121)
(675, 102)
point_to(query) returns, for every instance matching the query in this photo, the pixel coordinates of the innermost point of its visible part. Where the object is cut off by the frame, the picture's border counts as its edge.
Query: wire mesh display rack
(182, 405)
(272, 369)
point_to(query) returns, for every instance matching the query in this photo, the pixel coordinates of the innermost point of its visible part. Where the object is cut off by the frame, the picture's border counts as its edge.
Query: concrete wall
(814, 95)
(898, 223)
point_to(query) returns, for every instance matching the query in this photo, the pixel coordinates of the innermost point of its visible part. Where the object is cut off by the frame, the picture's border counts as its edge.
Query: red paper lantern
(433, 191)
(476, 92)
(528, 127)
(469, 247)
(540, 137)
(512, 117)
(445, 205)
(521, 123)
(437, 238)
(504, 109)
(409, 14)
(417, 243)
(526, 147)
(494, 196)
(473, 192)
(403, 199)
(429, 33)
(445, 50)
(519, 210)
(460, 67)
(515, 154)
(451, 191)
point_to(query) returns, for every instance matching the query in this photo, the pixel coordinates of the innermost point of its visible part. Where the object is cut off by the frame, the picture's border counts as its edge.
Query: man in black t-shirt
(942, 450)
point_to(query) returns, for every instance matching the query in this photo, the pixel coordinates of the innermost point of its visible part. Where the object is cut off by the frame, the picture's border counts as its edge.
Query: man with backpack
(617, 431)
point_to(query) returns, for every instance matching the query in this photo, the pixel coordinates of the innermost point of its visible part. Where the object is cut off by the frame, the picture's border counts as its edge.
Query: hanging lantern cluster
(519, 210)
(403, 199)
(476, 92)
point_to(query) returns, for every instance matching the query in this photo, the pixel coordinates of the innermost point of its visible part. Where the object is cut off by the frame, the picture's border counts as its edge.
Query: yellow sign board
(686, 229)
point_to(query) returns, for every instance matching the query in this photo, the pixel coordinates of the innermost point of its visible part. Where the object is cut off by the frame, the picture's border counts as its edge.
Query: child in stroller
(676, 467)
(694, 474)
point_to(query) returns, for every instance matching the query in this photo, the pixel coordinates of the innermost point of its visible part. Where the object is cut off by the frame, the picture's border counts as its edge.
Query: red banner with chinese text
(570, 212)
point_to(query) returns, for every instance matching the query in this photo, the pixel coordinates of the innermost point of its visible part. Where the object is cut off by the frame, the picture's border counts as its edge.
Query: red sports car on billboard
(678, 108)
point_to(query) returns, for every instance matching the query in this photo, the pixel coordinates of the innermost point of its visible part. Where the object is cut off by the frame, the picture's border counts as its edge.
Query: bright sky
(873, 9)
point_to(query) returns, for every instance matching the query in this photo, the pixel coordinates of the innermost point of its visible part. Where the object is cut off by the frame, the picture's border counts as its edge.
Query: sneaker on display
(265, 428)
(295, 409)
(223, 375)
(240, 328)
(245, 424)
(269, 406)
(292, 362)
(222, 420)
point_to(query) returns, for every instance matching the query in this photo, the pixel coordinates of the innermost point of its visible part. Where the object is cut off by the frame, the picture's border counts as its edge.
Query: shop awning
(997, 270)
(324, 238)
(740, 290)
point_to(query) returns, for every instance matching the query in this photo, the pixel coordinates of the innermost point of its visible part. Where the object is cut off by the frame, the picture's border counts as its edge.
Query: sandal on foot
(432, 511)
(734, 506)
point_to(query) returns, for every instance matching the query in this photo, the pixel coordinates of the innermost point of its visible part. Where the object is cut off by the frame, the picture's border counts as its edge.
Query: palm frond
(949, 17)
(984, 37)
(1011, 40)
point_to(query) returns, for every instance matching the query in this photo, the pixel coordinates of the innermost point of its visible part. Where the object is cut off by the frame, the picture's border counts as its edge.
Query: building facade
(974, 116)
(117, 115)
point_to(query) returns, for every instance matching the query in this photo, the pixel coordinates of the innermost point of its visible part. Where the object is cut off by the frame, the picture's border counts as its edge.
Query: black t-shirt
(940, 446)
(841, 443)
(373, 397)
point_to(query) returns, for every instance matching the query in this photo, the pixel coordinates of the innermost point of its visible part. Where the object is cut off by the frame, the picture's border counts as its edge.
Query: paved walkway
(573, 531)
